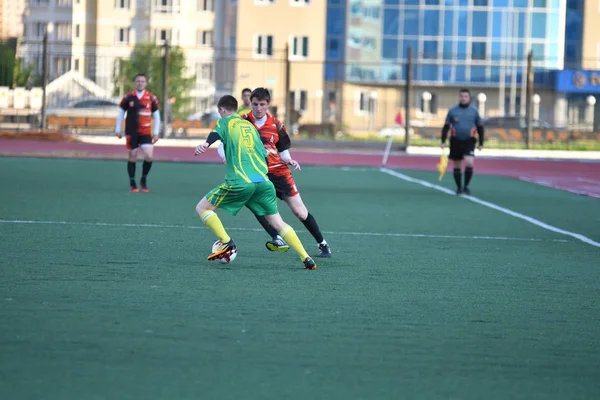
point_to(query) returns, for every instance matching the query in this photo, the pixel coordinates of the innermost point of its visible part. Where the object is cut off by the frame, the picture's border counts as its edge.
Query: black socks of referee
(468, 175)
(458, 178)
(131, 170)
(146, 169)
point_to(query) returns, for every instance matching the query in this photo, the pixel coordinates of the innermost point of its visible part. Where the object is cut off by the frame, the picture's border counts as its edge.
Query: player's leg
(469, 164)
(132, 147)
(230, 199)
(276, 243)
(456, 155)
(264, 202)
(310, 223)
(148, 150)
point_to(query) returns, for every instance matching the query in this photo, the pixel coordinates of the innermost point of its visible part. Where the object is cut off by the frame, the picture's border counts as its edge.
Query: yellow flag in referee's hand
(441, 166)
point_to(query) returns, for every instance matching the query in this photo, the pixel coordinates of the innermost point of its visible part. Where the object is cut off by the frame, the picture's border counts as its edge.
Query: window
(204, 38)
(40, 29)
(390, 49)
(206, 5)
(299, 99)
(232, 45)
(121, 35)
(64, 3)
(391, 21)
(77, 31)
(204, 71)
(538, 25)
(299, 46)
(166, 6)
(431, 23)
(76, 64)
(122, 4)
(299, 2)
(448, 22)
(430, 49)
(479, 24)
(263, 45)
(411, 22)
(63, 31)
(335, 21)
(478, 50)
(62, 65)
(367, 102)
(162, 35)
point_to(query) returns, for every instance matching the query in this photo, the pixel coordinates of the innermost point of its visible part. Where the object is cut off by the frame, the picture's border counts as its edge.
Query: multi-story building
(251, 41)
(11, 24)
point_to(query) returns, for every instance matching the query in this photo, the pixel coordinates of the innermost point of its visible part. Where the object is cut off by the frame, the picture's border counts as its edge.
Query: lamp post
(481, 99)
(536, 106)
(48, 31)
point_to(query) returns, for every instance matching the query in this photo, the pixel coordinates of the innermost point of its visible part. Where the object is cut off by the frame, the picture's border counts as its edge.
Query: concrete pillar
(536, 106)
(589, 110)
(560, 111)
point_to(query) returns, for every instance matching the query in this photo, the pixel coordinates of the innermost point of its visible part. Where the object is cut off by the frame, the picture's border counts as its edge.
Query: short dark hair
(246, 90)
(261, 93)
(464, 90)
(140, 74)
(228, 102)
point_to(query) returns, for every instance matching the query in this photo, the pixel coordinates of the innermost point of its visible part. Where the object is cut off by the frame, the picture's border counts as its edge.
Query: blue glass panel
(553, 55)
(553, 24)
(432, 2)
(390, 49)
(574, 26)
(495, 75)
(448, 23)
(461, 51)
(478, 50)
(330, 71)
(497, 22)
(539, 3)
(430, 48)
(431, 23)
(392, 2)
(538, 25)
(430, 72)
(520, 51)
(462, 22)
(448, 50)
(391, 20)
(521, 3)
(333, 48)
(538, 51)
(446, 73)
(463, 2)
(478, 74)
(479, 28)
(461, 73)
(496, 51)
(521, 30)
(335, 21)
(355, 8)
(411, 22)
(501, 3)
(407, 44)
(480, 2)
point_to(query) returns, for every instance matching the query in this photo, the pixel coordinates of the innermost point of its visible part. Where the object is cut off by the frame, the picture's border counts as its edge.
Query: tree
(147, 58)
(7, 62)
(25, 76)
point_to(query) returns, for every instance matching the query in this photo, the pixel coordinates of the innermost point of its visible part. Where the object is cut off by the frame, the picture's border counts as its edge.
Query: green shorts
(259, 197)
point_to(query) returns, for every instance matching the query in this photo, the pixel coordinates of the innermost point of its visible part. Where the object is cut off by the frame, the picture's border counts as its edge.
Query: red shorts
(132, 142)
(284, 184)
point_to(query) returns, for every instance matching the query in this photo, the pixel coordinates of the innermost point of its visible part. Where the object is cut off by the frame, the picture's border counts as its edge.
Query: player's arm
(156, 118)
(480, 129)
(446, 128)
(283, 146)
(212, 137)
(121, 116)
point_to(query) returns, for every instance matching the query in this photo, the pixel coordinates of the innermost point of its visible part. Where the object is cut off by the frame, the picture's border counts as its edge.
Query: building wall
(591, 35)
(11, 18)
(282, 20)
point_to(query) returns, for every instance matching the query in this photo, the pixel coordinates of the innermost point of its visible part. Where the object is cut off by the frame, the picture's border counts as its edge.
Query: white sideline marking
(588, 180)
(534, 221)
(160, 226)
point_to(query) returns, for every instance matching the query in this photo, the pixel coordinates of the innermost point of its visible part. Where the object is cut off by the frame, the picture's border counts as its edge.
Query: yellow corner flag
(441, 166)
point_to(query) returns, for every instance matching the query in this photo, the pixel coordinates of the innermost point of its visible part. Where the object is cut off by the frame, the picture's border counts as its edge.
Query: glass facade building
(454, 42)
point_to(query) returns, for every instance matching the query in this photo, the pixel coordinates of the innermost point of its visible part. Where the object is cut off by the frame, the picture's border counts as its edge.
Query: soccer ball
(227, 257)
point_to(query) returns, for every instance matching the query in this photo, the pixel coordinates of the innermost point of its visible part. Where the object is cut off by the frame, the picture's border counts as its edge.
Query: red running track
(577, 177)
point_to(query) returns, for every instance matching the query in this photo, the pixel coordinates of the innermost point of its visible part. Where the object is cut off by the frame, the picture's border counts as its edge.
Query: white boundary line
(524, 217)
(566, 189)
(161, 226)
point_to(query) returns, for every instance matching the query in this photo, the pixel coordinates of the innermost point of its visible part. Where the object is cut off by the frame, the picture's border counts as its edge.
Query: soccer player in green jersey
(246, 181)
(246, 107)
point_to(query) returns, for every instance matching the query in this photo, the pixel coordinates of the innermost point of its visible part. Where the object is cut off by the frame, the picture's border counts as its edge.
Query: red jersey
(139, 112)
(275, 139)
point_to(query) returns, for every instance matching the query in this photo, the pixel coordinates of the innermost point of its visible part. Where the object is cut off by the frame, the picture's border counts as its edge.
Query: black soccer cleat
(325, 250)
(309, 263)
(277, 244)
(459, 191)
(467, 191)
(144, 185)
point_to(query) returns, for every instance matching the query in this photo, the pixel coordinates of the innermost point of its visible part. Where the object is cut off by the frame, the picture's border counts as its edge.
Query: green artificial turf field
(106, 294)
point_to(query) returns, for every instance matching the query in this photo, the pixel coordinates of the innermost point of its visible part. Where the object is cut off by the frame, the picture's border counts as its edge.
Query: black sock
(311, 224)
(131, 170)
(468, 175)
(457, 177)
(265, 224)
(145, 169)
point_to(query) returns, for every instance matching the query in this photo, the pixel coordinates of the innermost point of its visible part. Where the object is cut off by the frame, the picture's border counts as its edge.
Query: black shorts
(284, 185)
(135, 141)
(461, 148)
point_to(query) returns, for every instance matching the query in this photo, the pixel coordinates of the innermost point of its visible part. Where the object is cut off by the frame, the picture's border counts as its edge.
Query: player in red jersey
(277, 142)
(139, 108)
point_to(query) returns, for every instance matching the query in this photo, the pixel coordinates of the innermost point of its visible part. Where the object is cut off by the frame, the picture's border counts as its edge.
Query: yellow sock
(289, 235)
(212, 221)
